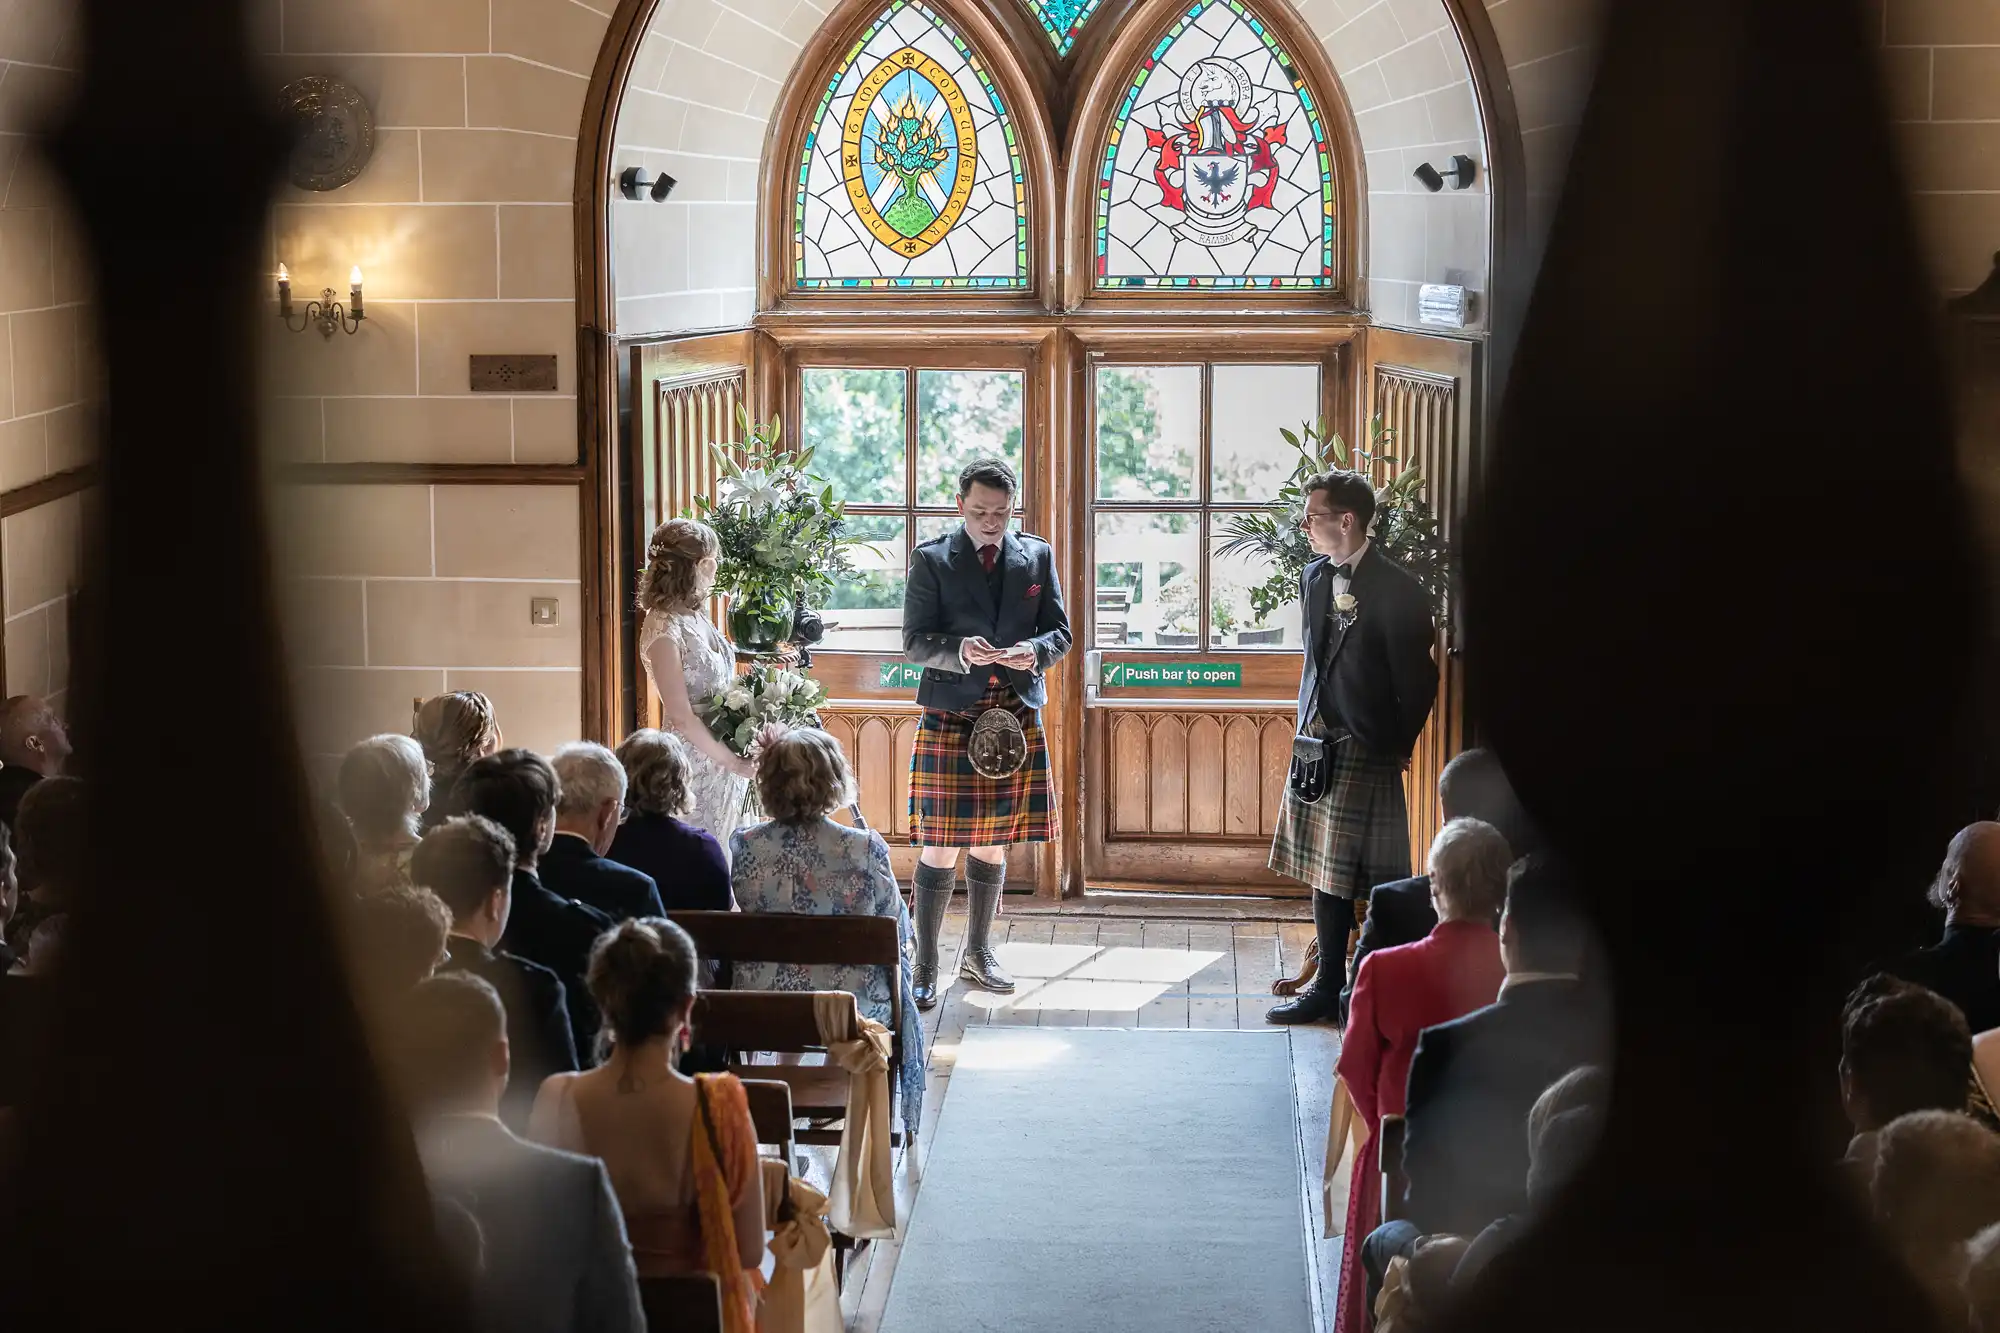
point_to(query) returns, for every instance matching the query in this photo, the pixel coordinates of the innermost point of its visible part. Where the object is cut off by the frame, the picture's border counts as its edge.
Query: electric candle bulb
(284, 291)
(354, 281)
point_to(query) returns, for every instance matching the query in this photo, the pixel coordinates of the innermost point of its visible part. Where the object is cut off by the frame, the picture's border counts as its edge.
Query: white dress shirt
(1342, 582)
(978, 551)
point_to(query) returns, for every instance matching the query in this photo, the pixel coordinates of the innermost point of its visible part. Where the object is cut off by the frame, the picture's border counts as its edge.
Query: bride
(687, 660)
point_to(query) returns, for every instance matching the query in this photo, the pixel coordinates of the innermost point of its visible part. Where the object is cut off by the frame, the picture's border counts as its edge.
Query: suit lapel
(965, 560)
(1357, 585)
(1318, 589)
(1014, 574)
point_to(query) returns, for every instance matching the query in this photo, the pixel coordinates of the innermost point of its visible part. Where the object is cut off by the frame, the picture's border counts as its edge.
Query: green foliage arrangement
(783, 533)
(1405, 528)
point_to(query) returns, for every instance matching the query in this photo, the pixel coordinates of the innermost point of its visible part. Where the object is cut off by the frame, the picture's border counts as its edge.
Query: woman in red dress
(1400, 992)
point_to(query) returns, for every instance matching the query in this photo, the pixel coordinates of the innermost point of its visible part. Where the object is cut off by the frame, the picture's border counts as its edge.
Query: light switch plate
(544, 611)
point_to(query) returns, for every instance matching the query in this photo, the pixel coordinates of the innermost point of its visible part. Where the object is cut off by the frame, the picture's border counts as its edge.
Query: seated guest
(1934, 1187)
(587, 815)
(1563, 1127)
(1982, 1281)
(517, 790)
(384, 786)
(34, 745)
(1414, 1299)
(685, 862)
(682, 1152)
(10, 895)
(1902, 1049)
(1964, 966)
(1473, 1081)
(552, 1254)
(51, 839)
(469, 863)
(453, 730)
(1400, 992)
(802, 861)
(399, 934)
(1399, 912)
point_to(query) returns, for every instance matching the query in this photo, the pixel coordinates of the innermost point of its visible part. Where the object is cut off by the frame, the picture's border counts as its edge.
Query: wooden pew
(771, 1111)
(1394, 1181)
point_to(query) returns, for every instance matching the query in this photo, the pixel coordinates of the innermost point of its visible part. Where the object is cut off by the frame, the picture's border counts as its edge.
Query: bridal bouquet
(740, 710)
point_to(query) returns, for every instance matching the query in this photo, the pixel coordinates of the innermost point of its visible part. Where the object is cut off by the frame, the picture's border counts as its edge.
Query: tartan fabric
(1355, 837)
(953, 805)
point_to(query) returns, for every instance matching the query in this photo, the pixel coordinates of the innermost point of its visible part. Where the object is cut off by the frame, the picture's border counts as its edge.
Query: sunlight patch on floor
(1168, 966)
(1043, 960)
(1102, 996)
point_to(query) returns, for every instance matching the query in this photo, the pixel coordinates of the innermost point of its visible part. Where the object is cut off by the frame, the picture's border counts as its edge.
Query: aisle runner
(1102, 1180)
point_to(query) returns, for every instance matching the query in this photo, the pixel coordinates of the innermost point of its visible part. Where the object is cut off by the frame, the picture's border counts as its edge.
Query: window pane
(937, 525)
(963, 415)
(1148, 432)
(1248, 607)
(854, 420)
(1248, 459)
(1148, 568)
(869, 609)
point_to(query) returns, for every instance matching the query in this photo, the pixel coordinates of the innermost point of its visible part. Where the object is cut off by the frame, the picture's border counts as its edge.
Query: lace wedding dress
(707, 664)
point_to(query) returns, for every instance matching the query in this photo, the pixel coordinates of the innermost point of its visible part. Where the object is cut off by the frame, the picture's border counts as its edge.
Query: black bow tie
(1343, 571)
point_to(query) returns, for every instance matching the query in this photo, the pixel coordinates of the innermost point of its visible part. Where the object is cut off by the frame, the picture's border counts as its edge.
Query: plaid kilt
(1356, 836)
(953, 805)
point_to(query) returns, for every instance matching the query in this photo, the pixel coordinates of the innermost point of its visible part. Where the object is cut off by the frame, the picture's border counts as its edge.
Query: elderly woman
(802, 861)
(1400, 992)
(685, 861)
(453, 729)
(385, 786)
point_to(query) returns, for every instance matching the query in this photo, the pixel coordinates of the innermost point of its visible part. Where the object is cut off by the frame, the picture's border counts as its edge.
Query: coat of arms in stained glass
(911, 176)
(1217, 172)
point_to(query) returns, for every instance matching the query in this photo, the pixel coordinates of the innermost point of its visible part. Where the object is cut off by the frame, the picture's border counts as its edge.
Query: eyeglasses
(1308, 518)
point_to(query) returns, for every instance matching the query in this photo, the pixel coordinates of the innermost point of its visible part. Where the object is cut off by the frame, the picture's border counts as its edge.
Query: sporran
(998, 747)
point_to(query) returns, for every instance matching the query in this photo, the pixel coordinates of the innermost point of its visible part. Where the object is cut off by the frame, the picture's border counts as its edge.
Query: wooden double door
(1170, 721)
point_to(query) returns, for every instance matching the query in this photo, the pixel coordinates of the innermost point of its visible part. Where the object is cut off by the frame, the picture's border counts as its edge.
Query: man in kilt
(1367, 691)
(983, 615)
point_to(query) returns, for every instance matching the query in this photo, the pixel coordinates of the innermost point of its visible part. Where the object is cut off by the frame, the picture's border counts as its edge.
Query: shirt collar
(1515, 979)
(565, 833)
(1353, 562)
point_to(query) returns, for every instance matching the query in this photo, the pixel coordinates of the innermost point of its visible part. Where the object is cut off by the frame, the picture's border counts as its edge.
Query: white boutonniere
(1345, 609)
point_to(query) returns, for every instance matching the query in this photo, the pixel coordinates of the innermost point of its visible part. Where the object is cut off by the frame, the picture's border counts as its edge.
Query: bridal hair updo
(643, 976)
(677, 546)
(454, 730)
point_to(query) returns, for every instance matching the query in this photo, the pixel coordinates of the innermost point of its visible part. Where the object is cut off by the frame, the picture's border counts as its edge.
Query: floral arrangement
(740, 710)
(782, 532)
(1405, 528)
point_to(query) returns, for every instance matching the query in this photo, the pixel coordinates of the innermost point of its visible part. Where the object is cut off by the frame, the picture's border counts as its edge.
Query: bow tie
(1343, 571)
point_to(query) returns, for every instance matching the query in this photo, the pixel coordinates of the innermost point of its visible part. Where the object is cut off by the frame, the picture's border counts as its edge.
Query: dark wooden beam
(49, 489)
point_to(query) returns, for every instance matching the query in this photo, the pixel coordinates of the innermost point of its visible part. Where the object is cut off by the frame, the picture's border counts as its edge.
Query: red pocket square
(1034, 590)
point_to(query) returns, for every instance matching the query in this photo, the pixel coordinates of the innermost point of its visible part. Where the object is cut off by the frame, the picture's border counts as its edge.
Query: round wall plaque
(334, 129)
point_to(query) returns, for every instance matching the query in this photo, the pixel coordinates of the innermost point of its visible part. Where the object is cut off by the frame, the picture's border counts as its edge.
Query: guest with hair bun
(454, 730)
(692, 1199)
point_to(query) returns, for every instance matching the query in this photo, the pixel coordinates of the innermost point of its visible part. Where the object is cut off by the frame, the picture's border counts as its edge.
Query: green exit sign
(901, 676)
(1201, 675)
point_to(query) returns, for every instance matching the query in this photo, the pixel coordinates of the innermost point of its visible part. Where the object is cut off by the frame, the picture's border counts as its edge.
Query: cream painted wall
(48, 380)
(462, 224)
(710, 71)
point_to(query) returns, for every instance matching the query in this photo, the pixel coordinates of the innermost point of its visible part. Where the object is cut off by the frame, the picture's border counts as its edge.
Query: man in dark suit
(468, 862)
(587, 818)
(553, 1256)
(517, 789)
(1473, 1080)
(983, 615)
(1964, 966)
(1471, 786)
(34, 745)
(1366, 692)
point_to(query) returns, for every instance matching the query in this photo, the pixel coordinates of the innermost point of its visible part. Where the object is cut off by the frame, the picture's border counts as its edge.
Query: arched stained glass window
(1062, 20)
(1217, 172)
(911, 175)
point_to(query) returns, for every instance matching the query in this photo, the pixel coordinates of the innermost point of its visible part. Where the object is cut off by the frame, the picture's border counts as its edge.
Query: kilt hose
(1356, 836)
(953, 805)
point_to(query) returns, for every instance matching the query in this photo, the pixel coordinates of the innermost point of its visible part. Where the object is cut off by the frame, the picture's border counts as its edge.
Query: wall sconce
(326, 312)
(638, 183)
(1463, 171)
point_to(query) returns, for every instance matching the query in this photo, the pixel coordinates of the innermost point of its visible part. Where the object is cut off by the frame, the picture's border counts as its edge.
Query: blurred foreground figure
(1687, 461)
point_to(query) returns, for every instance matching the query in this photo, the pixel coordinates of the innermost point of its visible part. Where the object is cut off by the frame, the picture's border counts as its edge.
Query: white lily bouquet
(738, 712)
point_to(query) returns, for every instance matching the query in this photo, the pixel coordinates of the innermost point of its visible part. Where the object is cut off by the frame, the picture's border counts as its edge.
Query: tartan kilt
(1356, 836)
(952, 804)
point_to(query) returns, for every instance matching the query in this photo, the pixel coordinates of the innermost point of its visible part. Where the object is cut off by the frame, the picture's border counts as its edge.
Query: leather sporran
(998, 747)
(1312, 769)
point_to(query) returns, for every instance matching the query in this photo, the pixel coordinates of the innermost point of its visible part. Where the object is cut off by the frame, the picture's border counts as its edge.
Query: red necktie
(987, 555)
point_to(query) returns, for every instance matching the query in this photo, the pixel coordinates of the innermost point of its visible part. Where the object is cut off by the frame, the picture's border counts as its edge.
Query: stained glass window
(1062, 20)
(912, 174)
(1218, 172)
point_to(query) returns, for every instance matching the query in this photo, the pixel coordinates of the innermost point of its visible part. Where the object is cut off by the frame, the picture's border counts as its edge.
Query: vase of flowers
(1405, 528)
(782, 534)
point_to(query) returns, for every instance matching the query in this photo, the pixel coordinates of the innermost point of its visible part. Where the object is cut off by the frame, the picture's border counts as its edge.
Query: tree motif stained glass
(912, 176)
(1062, 20)
(1217, 172)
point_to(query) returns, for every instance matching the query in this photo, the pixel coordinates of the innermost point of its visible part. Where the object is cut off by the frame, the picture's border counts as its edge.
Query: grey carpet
(1109, 1180)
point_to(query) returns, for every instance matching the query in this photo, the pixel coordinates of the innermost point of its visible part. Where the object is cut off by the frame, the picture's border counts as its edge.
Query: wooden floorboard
(1230, 989)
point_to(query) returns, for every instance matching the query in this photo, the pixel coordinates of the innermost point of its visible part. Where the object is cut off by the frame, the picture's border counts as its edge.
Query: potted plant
(1405, 528)
(782, 534)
